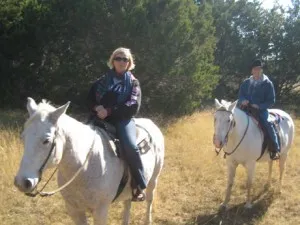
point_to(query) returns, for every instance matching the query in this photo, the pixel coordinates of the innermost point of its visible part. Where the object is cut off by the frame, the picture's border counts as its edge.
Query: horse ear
(217, 104)
(31, 106)
(232, 106)
(55, 115)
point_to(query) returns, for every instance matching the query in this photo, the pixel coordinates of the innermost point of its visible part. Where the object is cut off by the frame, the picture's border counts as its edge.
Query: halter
(44, 194)
(48, 157)
(232, 124)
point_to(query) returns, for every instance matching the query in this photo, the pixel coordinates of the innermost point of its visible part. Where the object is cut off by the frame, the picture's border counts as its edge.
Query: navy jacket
(116, 112)
(260, 92)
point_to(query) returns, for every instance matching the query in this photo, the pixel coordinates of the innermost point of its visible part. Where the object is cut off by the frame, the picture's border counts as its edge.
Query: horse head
(43, 146)
(223, 122)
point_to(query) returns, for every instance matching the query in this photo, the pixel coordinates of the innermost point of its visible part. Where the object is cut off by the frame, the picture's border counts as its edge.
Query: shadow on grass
(165, 222)
(238, 215)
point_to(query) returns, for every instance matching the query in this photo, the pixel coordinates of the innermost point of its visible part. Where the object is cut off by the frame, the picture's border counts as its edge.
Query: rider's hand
(245, 103)
(101, 112)
(98, 108)
(255, 106)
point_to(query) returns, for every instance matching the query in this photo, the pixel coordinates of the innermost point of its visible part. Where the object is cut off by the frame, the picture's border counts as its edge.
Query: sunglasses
(119, 59)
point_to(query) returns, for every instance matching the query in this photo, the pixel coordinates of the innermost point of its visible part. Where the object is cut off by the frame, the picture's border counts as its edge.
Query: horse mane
(45, 105)
(43, 108)
(225, 103)
(223, 108)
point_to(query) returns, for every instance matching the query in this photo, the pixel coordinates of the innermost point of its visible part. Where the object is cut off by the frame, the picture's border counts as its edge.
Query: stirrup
(274, 155)
(138, 196)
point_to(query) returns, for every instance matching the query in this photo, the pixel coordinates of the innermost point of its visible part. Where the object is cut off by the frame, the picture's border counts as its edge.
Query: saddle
(109, 131)
(144, 143)
(274, 119)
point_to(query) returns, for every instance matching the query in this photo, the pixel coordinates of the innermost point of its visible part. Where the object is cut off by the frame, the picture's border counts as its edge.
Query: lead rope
(45, 194)
(225, 153)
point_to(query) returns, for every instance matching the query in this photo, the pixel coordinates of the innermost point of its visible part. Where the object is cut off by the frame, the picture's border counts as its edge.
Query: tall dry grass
(190, 188)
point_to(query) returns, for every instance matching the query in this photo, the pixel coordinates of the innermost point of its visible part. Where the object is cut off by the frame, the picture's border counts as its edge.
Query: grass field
(190, 188)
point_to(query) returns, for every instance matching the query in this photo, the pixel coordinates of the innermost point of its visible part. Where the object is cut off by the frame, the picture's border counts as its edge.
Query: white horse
(241, 140)
(52, 138)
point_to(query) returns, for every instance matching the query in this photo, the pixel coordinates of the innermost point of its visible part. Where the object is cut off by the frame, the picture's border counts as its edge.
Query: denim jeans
(263, 117)
(126, 130)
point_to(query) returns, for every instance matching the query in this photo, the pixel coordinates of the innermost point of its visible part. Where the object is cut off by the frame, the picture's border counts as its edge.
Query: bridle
(232, 124)
(40, 192)
(48, 156)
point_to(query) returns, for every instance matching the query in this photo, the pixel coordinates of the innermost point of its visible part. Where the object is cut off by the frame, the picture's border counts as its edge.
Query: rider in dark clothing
(258, 92)
(116, 98)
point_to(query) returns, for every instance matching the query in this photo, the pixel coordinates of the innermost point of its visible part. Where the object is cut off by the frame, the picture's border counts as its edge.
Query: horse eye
(228, 121)
(46, 141)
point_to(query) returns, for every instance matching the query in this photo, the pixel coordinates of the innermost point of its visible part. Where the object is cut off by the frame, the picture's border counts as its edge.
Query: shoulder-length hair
(126, 52)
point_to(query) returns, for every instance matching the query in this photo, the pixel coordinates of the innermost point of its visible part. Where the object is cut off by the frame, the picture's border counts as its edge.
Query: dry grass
(190, 189)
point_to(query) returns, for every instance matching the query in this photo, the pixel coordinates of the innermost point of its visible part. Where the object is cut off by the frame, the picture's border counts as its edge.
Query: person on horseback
(258, 92)
(116, 98)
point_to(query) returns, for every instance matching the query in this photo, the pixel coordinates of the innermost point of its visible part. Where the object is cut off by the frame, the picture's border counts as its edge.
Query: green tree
(55, 49)
(246, 31)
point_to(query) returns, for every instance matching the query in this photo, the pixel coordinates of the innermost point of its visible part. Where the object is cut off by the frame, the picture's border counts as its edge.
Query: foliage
(186, 51)
(246, 31)
(54, 49)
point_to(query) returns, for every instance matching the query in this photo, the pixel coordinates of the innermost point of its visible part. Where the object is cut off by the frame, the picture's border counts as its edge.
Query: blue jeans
(126, 130)
(263, 117)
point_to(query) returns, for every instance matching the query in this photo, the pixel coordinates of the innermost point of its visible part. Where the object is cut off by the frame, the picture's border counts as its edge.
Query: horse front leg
(250, 167)
(231, 169)
(100, 213)
(78, 216)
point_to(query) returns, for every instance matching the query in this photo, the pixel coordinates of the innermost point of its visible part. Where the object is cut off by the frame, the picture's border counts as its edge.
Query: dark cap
(256, 63)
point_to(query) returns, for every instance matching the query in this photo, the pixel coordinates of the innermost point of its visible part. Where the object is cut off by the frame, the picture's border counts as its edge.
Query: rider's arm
(96, 93)
(243, 92)
(269, 96)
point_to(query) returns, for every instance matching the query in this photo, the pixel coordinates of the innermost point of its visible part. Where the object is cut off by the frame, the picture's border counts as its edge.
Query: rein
(232, 124)
(45, 194)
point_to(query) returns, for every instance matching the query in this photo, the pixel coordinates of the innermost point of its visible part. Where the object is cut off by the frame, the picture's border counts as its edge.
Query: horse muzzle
(217, 142)
(26, 185)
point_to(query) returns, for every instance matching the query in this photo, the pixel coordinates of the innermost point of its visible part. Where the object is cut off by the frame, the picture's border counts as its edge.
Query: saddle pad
(143, 140)
(274, 118)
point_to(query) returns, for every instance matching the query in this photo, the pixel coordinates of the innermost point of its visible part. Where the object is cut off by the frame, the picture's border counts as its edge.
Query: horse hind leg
(149, 199)
(126, 212)
(150, 193)
(282, 161)
(270, 174)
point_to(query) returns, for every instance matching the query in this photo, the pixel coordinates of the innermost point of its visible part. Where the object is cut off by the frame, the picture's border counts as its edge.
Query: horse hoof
(222, 207)
(280, 189)
(248, 205)
(267, 186)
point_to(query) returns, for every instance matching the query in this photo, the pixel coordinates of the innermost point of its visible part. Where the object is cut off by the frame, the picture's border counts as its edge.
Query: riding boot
(275, 148)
